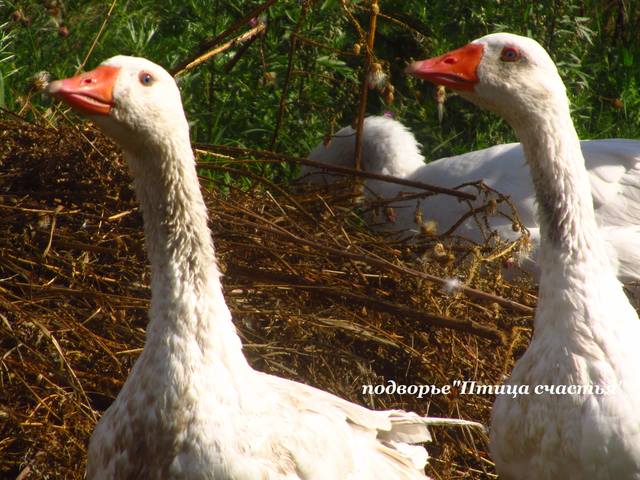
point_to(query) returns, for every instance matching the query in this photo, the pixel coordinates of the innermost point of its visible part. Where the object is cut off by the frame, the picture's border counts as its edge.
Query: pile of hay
(316, 298)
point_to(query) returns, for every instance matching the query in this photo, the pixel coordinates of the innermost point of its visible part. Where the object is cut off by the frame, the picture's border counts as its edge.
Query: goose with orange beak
(192, 407)
(580, 417)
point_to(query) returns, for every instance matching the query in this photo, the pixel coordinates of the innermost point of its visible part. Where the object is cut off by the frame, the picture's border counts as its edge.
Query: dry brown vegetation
(316, 297)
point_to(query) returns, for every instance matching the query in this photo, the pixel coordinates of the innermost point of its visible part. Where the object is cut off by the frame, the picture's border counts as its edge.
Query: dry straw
(316, 297)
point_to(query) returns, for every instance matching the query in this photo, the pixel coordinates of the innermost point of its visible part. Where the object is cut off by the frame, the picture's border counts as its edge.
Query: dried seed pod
(509, 263)
(441, 97)
(388, 94)
(429, 228)
(56, 12)
(391, 215)
(417, 215)
(269, 78)
(44, 220)
(492, 206)
(17, 16)
(358, 192)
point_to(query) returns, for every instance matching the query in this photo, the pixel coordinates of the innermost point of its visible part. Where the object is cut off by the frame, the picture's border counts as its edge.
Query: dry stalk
(203, 57)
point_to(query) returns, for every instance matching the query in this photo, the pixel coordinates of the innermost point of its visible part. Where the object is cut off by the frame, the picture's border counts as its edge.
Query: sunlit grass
(235, 101)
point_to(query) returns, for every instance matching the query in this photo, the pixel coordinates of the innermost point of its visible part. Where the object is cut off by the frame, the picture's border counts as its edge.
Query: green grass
(594, 44)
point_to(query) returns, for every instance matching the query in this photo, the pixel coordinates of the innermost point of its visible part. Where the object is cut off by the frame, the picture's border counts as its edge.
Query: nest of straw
(316, 297)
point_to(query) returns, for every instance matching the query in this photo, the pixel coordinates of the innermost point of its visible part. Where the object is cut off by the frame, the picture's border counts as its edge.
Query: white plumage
(586, 332)
(192, 408)
(390, 148)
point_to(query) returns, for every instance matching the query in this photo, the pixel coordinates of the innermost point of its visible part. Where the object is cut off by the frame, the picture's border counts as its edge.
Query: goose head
(132, 100)
(507, 74)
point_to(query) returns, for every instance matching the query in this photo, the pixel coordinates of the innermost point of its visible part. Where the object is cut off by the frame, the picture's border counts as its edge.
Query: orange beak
(456, 70)
(90, 93)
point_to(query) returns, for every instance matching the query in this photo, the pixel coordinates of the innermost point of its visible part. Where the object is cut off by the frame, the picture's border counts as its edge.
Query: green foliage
(594, 44)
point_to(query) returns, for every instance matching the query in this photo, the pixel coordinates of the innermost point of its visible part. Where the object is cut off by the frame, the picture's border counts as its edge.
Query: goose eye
(510, 54)
(146, 78)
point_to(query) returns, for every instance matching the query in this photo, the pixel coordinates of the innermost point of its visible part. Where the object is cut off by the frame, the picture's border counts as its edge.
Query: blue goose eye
(146, 78)
(510, 54)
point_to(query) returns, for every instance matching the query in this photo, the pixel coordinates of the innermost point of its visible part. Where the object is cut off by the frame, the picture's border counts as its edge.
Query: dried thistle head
(376, 78)
(40, 80)
(439, 251)
(442, 254)
(451, 285)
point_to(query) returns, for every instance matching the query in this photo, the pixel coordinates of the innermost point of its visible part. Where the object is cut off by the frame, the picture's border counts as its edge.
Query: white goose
(192, 407)
(389, 148)
(586, 332)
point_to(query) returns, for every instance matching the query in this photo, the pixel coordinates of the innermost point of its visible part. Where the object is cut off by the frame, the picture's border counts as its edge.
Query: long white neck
(568, 228)
(577, 281)
(190, 323)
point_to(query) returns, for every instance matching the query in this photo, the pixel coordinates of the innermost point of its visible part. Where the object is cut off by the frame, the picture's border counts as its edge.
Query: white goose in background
(192, 407)
(586, 332)
(389, 148)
